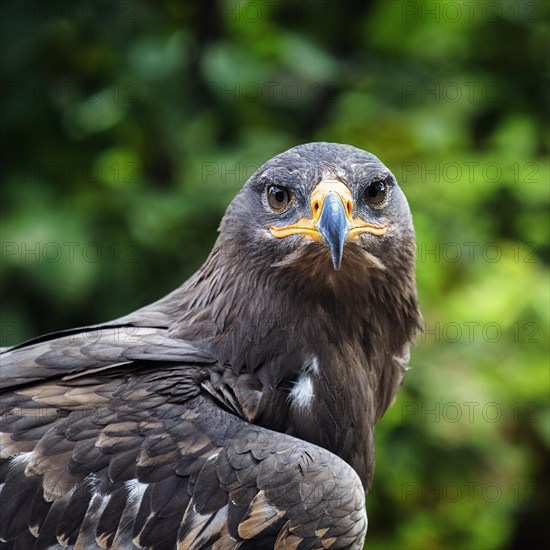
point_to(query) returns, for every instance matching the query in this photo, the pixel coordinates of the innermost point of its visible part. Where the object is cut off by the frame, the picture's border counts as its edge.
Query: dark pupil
(375, 191)
(278, 194)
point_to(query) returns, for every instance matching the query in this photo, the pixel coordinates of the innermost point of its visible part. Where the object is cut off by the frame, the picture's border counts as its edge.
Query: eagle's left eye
(278, 197)
(375, 192)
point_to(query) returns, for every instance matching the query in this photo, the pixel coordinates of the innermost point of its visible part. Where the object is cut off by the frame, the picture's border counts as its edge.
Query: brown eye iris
(376, 192)
(278, 197)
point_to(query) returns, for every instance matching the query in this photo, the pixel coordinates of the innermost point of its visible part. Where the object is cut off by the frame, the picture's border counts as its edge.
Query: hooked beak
(331, 221)
(333, 226)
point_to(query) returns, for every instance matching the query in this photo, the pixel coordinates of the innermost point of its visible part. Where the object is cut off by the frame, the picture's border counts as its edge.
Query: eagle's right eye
(278, 197)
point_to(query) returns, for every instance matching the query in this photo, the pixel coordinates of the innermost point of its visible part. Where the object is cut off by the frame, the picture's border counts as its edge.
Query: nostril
(349, 207)
(316, 207)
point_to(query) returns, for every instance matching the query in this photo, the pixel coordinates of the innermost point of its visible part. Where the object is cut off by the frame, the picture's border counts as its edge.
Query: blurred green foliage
(129, 125)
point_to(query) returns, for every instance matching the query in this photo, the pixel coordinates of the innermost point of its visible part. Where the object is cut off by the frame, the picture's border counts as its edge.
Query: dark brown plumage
(238, 411)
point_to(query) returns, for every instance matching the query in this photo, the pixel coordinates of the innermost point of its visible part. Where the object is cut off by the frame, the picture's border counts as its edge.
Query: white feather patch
(135, 490)
(301, 394)
(311, 365)
(22, 458)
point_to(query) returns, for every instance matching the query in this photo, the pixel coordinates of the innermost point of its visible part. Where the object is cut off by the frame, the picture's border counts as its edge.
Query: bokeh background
(129, 125)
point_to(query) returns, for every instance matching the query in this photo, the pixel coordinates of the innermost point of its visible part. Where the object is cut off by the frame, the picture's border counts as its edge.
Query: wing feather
(94, 350)
(156, 453)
